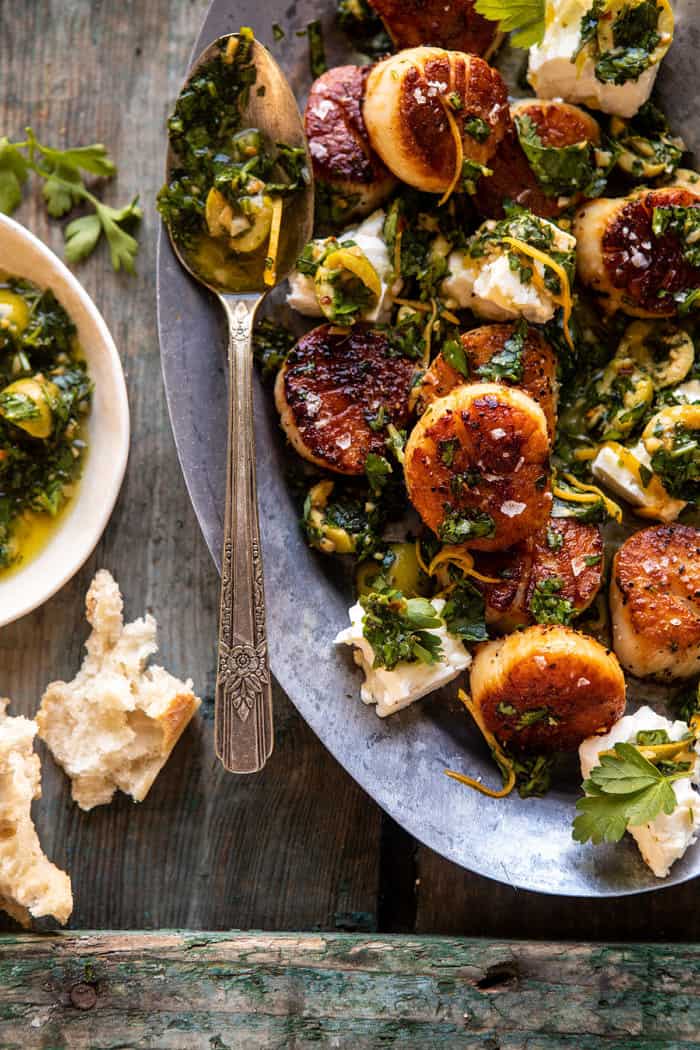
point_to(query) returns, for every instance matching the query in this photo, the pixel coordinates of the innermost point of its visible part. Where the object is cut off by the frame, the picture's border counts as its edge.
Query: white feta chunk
(488, 286)
(688, 393)
(367, 236)
(392, 690)
(620, 473)
(553, 74)
(665, 839)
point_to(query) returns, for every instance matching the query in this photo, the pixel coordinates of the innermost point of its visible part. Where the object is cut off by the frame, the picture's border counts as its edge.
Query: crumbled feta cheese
(488, 286)
(512, 509)
(392, 690)
(688, 393)
(368, 237)
(625, 482)
(553, 74)
(665, 839)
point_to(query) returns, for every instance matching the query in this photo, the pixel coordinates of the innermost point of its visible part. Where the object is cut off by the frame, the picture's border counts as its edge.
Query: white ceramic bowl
(87, 514)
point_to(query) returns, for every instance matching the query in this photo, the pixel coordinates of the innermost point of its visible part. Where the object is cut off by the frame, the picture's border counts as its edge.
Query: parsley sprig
(64, 188)
(625, 790)
(400, 629)
(524, 18)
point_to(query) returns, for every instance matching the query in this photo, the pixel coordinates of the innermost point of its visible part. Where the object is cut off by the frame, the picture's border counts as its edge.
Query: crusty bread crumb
(116, 723)
(29, 883)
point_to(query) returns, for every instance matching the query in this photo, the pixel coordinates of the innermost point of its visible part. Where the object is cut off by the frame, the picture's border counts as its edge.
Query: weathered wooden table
(298, 847)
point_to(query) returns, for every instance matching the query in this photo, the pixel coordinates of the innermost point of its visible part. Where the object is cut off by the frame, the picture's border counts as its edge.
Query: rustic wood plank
(297, 846)
(454, 902)
(182, 990)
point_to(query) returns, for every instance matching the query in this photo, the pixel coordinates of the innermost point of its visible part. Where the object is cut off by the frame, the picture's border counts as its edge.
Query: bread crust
(115, 725)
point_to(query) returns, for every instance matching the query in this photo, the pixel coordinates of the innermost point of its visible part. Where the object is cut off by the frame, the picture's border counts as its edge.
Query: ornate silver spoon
(243, 703)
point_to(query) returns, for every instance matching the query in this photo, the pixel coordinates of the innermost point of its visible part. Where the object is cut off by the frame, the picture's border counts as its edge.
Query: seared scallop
(427, 109)
(558, 125)
(554, 574)
(343, 161)
(619, 255)
(547, 688)
(655, 602)
(332, 389)
(488, 351)
(477, 466)
(453, 24)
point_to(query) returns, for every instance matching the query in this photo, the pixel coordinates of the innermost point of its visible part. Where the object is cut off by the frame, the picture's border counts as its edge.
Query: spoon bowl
(243, 700)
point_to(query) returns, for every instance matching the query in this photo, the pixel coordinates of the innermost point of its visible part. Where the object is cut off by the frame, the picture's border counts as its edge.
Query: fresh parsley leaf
(454, 355)
(13, 175)
(377, 469)
(477, 127)
(686, 703)
(317, 51)
(533, 774)
(524, 18)
(589, 26)
(458, 526)
(271, 344)
(685, 224)
(447, 449)
(18, 407)
(652, 736)
(507, 364)
(63, 188)
(400, 629)
(547, 606)
(81, 237)
(560, 170)
(625, 790)
(464, 613)
(555, 540)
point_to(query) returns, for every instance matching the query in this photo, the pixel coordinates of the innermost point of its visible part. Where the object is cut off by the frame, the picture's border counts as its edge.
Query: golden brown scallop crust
(547, 688)
(406, 112)
(566, 550)
(578, 562)
(452, 24)
(639, 271)
(558, 124)
(338, 141)
(332, 385)
(480, 345)
(655, 600)
(481, 450)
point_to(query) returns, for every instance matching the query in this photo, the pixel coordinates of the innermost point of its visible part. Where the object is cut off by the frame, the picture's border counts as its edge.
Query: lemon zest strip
(270, 271)
(355, 262)
(423, 308)
(504, 763)
(563, 298)
(586, 494)
(459, 153)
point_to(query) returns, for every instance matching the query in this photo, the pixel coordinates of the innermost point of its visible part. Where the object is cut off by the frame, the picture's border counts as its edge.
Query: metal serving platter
(399, 761)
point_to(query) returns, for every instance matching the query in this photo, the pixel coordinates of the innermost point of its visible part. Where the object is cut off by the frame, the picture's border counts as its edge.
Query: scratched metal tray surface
(399, 761)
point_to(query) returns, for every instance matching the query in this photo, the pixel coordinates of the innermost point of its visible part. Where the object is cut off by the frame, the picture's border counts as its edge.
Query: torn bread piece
(114, 726)
(30, 885)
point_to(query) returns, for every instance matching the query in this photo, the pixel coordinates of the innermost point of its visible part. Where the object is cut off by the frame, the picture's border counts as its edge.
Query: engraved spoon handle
(243, 702)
